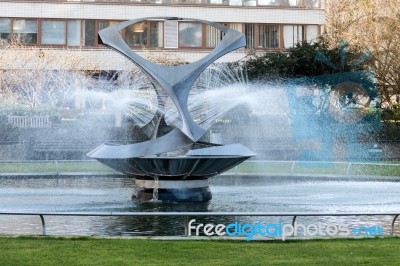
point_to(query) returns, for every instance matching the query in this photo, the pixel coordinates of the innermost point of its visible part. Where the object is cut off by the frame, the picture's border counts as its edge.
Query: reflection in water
(97, 194)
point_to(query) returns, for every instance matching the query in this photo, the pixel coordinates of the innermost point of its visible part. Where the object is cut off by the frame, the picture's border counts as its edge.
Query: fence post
(293, 223)
(292, 171)
(348, 169)
(186, 221)
(43, 224)
(56, 163)
(392, 227)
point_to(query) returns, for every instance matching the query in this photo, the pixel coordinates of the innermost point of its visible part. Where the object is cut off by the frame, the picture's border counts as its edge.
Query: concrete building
(70, 24)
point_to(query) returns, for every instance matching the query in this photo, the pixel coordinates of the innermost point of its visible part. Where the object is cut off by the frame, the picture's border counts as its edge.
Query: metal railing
(186, 215)
(42, 121)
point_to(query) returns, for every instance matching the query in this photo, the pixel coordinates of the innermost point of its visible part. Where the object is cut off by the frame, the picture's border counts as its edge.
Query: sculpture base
(172, 190)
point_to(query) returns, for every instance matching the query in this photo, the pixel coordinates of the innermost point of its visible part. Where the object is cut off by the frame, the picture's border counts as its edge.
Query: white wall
(127, 12)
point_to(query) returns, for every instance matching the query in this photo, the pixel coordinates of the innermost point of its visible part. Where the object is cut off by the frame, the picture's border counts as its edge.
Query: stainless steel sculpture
(176, 165)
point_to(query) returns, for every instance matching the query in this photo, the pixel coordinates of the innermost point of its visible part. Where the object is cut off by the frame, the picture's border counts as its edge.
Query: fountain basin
(176, 178)
(194, 164)
(174, 168)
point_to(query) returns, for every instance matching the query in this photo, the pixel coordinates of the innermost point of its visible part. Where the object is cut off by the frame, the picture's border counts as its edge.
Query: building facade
(71, 24)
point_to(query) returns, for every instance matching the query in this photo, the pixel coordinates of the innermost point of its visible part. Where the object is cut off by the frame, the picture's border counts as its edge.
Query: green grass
(254, 167)
(52, 167)
(385, 170)
(90, 251)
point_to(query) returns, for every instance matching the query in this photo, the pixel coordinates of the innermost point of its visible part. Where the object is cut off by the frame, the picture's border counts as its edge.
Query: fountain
(176, 165)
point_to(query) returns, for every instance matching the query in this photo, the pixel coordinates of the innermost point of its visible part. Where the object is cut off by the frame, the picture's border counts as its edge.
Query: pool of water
(230, 194)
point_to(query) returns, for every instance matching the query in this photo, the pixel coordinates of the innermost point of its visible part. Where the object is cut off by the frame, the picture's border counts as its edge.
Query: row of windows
(151, 34)
(285, 3)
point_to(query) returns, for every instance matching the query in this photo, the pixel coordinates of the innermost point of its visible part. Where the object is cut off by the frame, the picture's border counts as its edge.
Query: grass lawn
(255, 167)
(52, 167)
(91, 251)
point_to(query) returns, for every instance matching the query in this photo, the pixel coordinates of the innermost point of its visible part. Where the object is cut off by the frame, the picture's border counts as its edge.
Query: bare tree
(341, 15)
(34, 76)
(163, 57)
(372, 25)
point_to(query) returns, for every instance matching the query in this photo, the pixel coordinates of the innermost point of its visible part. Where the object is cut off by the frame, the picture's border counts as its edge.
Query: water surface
(267, 194)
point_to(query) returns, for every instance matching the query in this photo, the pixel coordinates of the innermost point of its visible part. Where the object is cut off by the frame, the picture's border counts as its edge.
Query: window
(74, 32)
(269, 2)
(102, 25)
(190, 2)
(136, 34)
(235, 2)
(171, 2)
(89, 33)
(268, 36)
(214, 36)
(190, 34)
(53, 32)
(105, 24)
(293, 2)
(312, 33)
(249, 34)
(5, 28)
(249, 2)
(25, 30)
(217, 2)
(236, 26)
(156, 34)
(313, 3)
(293, 34)
(171, 34)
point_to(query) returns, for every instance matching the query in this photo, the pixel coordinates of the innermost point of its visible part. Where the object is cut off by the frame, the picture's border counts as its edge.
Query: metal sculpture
(176, 165)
